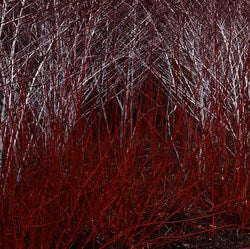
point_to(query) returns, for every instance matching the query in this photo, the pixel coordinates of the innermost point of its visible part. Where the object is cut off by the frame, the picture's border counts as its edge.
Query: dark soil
(222, 240)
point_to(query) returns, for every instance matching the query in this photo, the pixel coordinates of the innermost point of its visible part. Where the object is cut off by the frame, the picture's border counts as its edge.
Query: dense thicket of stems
(121, 120)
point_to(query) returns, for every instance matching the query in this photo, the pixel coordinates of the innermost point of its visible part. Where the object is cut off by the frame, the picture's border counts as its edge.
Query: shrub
(124, 124)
